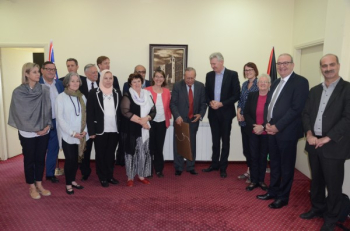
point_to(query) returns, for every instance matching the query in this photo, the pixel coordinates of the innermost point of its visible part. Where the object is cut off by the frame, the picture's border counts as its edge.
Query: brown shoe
(34, 193)
(44, 192)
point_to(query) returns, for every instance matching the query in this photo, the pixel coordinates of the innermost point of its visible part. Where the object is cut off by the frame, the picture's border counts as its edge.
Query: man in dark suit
(48, 78)
(142, 71)
(326, 120)
(282, 122)
(222, 92)
(72, 66)
(87, 84)
(188, 105)
(103, 63)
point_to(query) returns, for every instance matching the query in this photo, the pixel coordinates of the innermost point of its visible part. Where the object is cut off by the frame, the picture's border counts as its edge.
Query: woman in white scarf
(138, 109)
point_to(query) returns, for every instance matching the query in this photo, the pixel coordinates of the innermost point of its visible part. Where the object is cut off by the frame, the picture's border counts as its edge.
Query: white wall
(242, 30)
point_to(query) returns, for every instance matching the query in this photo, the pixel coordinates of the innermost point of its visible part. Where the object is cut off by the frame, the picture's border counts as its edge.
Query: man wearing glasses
(282, 122)
(48, 78)
(142, 71)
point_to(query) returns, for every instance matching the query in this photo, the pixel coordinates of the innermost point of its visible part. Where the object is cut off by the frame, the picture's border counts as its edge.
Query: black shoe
(263, 186)
(69, 191)
(84, 178)
(277, 204)
(113, 181)
(223, 173)
(328, 226)
(178, 173)
(251, 186)
(310, 215)
(77, 186)
(193, 172)
(266, 196)
(210, 169)
(104, 183)
(159, 174)
(53, 179)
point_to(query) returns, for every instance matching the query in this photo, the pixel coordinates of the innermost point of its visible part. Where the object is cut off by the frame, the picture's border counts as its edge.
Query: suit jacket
(95, 111)
(179, 104)
(126, 86)
(230, 92)
(288, 107)
(62, 78)
(115, 81)
(59, 85)
(335, 120)
(84, 87)
(250, 110)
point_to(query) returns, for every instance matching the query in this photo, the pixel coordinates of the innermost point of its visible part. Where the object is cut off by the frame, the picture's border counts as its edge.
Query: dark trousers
(71, 152)
(157, 137)
(85, 164)
(259, 147)
(105, 146)
(245, 144)
(326, 173)
(34, 150)
(120, 156)
(52, 151)
(282, 163)
(220, 125)
(179, 160)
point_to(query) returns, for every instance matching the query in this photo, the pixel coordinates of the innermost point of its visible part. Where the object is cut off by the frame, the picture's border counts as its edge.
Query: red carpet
(202, 202)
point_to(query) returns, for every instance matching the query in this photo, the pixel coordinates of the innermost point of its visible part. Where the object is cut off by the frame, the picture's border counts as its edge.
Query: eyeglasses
(266, 82)
(284, 63)
(248, 70)
(141, 72)
(50, 69)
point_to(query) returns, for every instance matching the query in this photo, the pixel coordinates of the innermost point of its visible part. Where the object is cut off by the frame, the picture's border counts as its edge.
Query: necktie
(190, 101)
(273, 100)
(92, 86)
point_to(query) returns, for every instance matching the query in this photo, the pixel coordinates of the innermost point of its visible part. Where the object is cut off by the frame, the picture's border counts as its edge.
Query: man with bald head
(142, 71)
(326, 120)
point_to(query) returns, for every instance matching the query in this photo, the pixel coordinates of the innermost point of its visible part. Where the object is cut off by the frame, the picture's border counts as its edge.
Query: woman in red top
(161, 98)
(254, 117)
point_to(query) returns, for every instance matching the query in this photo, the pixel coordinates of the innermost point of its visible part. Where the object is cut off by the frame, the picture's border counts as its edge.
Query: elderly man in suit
(142, 71)
(48, 78)
(88, 83)
(222, 92)
(282, 122)
(188, 105)
(326, 120)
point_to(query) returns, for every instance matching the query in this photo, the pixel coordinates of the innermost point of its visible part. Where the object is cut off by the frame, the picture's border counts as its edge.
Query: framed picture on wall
(172, 59)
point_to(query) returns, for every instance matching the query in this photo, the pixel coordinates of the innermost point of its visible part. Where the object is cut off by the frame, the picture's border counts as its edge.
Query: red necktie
(190, 101)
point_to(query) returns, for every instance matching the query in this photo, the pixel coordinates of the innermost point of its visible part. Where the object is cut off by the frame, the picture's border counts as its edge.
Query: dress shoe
(144, 181)
(310, 215)
(113, 181)
(193, 172)
(104, 183)
(178, 173)
(328, 226)
(84, 178)
(223, 174)
(266, 196)
(69, 191)
(263, 186)
(159, 174)
(53, 179)
(130, 183)
(210, 169)
(34, 193)
(77, 186)
(251, 186)
(277, 204)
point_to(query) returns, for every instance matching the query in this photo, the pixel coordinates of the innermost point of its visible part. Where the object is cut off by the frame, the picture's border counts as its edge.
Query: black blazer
(230, 92)
(335, 120)
(95, 111)
(126, 86)
(115, 81)
(84, 87)
(288, 107)
(250, 110)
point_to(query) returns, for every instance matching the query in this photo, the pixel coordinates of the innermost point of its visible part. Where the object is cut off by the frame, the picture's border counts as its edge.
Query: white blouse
(160, 116)
(109, 112)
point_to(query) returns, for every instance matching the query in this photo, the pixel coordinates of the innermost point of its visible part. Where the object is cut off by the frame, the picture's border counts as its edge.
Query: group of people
(79, 111)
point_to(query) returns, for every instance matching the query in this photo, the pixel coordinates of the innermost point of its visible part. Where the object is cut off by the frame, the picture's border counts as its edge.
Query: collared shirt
(188, 89)
(144, 84)
(285, 79)
(53, 96)
(218, 85)
(88, 82)
(326, 94)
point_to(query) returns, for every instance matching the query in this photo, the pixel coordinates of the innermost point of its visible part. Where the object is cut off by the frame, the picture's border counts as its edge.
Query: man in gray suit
(188, 105)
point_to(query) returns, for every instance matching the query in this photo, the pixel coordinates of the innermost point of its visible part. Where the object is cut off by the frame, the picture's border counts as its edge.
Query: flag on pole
(52, 56)
(271, 68)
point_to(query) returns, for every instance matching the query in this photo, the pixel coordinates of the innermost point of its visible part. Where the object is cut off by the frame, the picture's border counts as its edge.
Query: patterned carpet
(187, 202)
